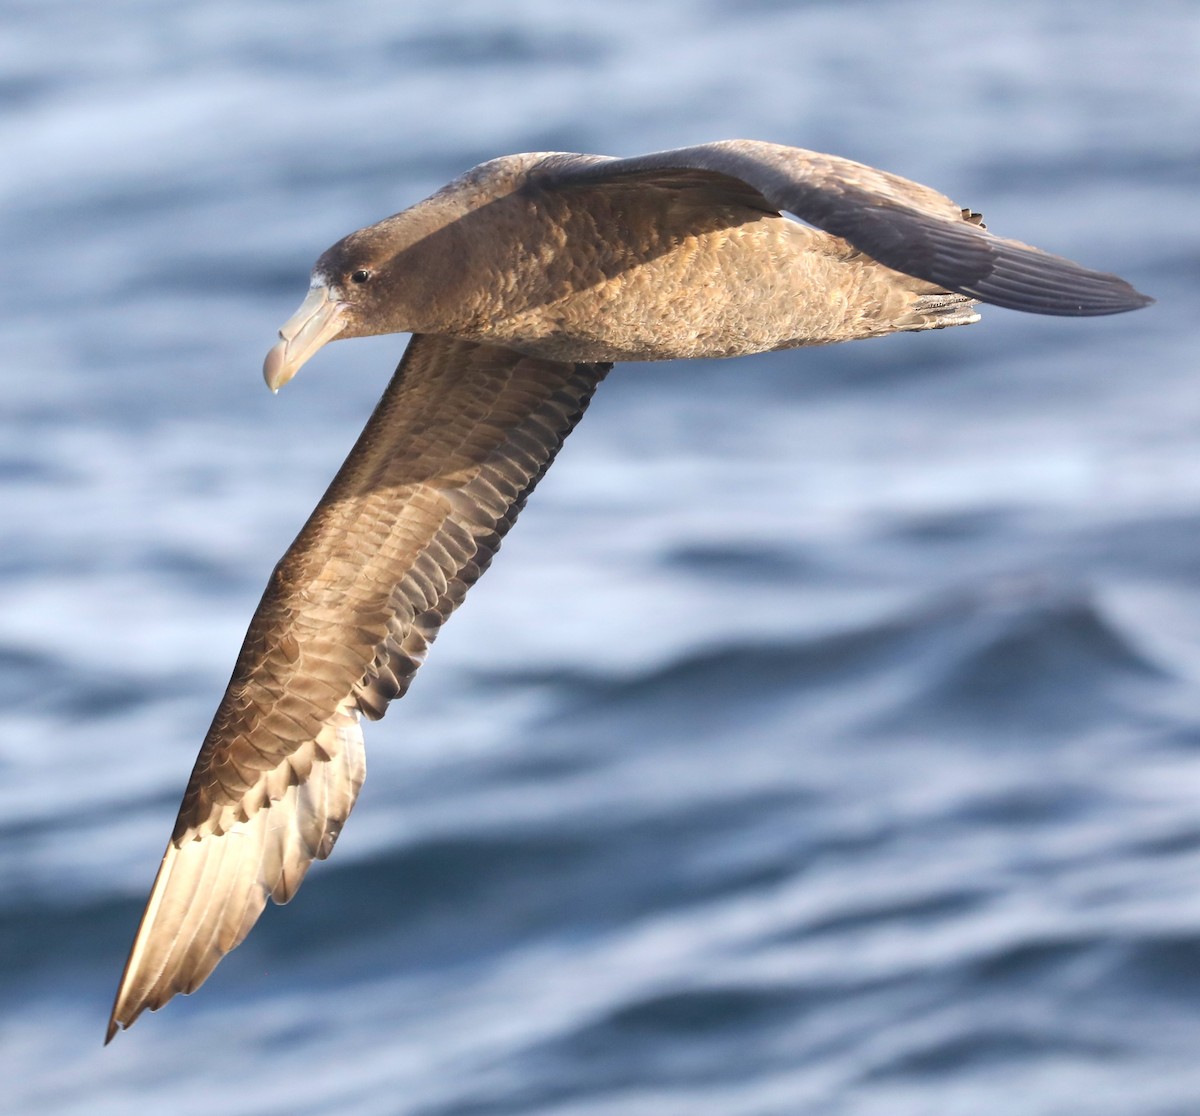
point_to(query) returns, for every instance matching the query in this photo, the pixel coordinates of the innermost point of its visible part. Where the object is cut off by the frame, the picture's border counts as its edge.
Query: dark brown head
(401, 274)
(354, 291)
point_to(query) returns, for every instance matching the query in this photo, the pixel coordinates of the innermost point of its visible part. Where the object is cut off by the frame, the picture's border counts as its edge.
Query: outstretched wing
(902, 224)
(439, 474)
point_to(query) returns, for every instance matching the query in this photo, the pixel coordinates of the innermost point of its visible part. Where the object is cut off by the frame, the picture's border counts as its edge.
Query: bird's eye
(359, 276)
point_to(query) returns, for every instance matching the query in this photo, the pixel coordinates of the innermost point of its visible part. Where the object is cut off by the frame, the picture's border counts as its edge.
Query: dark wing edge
(902, 224)
(283, 763)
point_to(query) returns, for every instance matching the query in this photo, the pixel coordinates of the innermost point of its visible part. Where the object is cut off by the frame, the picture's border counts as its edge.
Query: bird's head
(351, 294)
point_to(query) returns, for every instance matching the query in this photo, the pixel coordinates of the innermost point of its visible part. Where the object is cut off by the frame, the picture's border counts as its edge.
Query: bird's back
(640, 273)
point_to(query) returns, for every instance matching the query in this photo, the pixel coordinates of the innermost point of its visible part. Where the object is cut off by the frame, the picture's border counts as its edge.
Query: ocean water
(826, 737)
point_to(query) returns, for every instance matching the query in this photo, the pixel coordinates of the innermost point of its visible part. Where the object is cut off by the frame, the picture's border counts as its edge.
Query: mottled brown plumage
(521, 282)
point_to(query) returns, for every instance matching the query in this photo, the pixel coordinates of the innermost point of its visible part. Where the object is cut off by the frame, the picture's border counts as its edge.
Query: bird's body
(497, 261)
(521, 282)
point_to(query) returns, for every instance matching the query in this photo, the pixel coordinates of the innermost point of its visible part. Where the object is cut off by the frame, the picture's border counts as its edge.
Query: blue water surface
(826, 738)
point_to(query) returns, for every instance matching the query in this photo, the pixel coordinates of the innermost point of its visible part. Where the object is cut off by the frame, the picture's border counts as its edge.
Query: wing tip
(122, 1018)
(116, 1025)
(1116, 300)
(1137, 300)
(1112, 295)
(1039, 283)
(125, 1010)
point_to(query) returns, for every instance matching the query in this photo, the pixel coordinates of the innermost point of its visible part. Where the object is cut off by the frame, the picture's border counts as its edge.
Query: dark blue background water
(827, 736)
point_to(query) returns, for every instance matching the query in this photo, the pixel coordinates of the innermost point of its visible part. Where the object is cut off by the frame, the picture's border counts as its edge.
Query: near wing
(902, 224)
(439, 474)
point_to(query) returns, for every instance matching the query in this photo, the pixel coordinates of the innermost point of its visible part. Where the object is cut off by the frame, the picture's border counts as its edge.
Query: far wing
(902, 224)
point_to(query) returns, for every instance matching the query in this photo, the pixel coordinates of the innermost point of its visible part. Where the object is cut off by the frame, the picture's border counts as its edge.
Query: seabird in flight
(521, 282)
